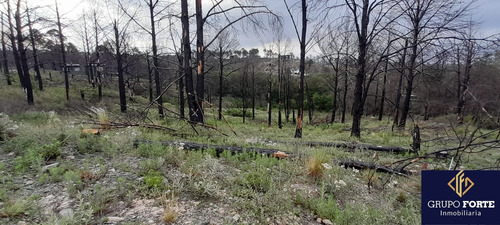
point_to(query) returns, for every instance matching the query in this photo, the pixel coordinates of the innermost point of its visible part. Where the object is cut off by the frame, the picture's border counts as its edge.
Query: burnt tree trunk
(400, 84)
(253, 91)
(15, 52)
(22, 55)
(200, 61)
(4, 54)
(300, 114)
(243, 91)
(346, 76)
(35, 55)
(360, 75)
(280, 74)
(88, 67)
(310, 103)
(119, 64)
(464, 83)
(416, 138)
(156, 64)
(63, 53)
(221, 78)
(269, 99)
(188, 72)
(410, 78)
(150, 79)
(335, 87)
(382, 101)
(97, 63)
(182, 103)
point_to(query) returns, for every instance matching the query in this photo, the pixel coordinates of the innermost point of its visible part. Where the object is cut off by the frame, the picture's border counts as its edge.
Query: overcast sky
(487, 11)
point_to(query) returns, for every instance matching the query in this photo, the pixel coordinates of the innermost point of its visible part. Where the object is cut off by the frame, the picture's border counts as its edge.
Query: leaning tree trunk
(22, 55)
(300, 114)
(63, 53)
(15, 52)
(119, 68)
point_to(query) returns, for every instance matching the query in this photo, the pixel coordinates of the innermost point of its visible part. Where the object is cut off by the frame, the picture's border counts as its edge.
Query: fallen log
(219, 149)
(379, 168)
(347, 145)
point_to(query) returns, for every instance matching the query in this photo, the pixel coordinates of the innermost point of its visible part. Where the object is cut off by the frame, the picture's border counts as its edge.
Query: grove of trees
(402, 59)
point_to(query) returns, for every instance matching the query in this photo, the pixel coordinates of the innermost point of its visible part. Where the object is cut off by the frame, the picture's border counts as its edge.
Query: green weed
(73, 182)
(153, 180)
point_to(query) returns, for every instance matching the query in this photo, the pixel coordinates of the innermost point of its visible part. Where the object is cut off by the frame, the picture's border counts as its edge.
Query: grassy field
(51, 173)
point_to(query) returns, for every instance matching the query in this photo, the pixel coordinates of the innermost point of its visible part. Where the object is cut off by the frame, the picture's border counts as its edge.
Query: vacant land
(55, 171)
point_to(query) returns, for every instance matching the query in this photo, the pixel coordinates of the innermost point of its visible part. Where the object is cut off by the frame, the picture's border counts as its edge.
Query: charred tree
(253, 91)
(4, 54)
(280, 75)
(194, 110)
(15, 52)
(362, 33)
(182, 102)
(119, 69)
(399, 87)
(97, 63)
(221, 76)
(35, 54)
(22, 55)
(382, 100)
(150, 78)
(300, 114)
(269, 99)
(346, 76)
(156, 64)
(463, 83)
(335, 88)
(200, 61)
(63, 52)
(88, 67)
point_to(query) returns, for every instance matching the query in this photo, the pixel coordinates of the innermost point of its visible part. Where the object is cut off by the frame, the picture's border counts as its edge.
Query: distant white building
(73, 67)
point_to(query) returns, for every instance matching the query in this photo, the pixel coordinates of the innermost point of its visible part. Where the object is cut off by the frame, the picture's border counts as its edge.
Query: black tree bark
(300, 114)
(63, 53)
(22, 55)
(119, 68)
(35, 54)
(4, 54)
(156, 64)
